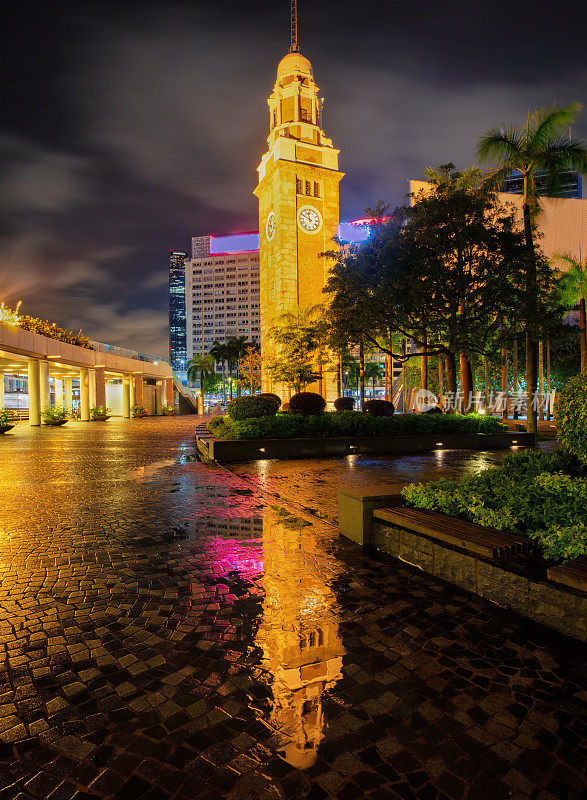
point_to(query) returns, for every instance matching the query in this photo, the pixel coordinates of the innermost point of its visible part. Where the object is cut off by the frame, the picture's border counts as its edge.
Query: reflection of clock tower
(298, 197)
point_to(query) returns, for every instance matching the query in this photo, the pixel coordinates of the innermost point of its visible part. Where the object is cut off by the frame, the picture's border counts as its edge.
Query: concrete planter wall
(230, 450)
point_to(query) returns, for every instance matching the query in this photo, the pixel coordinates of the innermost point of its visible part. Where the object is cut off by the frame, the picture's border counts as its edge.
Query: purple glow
(234, 243)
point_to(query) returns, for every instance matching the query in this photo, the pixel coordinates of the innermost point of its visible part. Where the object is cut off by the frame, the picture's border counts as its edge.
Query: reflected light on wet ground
(170, 632)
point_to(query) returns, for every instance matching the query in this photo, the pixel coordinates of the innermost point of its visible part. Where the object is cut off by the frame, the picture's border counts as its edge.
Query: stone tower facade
(298, 193)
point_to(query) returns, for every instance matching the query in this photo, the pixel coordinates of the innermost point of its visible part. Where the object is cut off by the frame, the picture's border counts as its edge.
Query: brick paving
(173, 630)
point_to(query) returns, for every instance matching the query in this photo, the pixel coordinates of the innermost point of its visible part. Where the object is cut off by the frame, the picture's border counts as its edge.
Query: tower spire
(294, 47)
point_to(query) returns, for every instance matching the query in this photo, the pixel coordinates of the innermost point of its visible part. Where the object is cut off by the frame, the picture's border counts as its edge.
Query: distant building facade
(177, 312)
(222, 291)
(570, 184)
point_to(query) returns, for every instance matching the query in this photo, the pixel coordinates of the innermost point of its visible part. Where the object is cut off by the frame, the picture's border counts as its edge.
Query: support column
(125, 396)
(100, 386)
(58, 383)
(34, 392)
(44, 383)
(84, 394)
(92, 387)
(131, 389)
(168, 397)
(68, 394)
(1, 390)
(138, 383)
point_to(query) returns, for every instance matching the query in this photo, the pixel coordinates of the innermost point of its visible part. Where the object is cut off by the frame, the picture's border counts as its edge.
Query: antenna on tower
(294, 47)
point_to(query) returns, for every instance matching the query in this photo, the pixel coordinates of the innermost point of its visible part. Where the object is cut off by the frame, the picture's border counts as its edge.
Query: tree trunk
(541, 378)
(450, 366)
(465, 382)
(339, 386)
(583, 334)
(404, 378)
(515, 374)
(486, 382)
(504, 381)
(424, 362)
(389, 369)
(548, 385)
(361, 374)
(440, 377)
(531, 376)
(223, 386)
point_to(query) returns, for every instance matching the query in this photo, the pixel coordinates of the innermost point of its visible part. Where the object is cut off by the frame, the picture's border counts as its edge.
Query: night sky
(130, 126)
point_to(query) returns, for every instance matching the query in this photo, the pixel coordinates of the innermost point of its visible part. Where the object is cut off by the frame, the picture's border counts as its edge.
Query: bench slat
(573, 573)
(487, 542)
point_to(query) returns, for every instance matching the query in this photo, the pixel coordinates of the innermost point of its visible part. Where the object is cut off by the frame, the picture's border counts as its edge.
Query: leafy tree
(573, 289)
(220, 353)
(538, 146)
(447, 273)
(373, 372)
(297, 334)
(249, 365)
(198, 368)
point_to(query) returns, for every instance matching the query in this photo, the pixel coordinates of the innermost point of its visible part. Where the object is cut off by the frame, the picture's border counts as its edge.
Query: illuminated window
(316, 189)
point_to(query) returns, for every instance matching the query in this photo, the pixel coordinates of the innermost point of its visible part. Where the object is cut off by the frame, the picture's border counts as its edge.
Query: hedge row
(534, 494)
(350, 423)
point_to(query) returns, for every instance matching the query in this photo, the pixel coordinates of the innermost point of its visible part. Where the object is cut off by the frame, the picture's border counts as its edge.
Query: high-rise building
(222, 291)
(570, 184)
(177, 312)
(298, 198)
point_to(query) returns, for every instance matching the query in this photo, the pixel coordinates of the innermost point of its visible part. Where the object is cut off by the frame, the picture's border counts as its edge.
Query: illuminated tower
(298, 195)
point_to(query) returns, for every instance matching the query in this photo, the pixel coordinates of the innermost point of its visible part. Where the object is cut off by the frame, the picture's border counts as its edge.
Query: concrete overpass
(41, 358)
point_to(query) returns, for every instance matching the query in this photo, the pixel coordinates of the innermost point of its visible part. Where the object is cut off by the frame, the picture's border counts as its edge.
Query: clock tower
(298, 199)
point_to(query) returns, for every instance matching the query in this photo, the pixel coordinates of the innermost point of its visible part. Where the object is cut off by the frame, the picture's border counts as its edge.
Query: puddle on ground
(280, 576)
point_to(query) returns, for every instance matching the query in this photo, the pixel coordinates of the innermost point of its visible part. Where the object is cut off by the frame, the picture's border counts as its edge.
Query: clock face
(270, 226)
(309, 219)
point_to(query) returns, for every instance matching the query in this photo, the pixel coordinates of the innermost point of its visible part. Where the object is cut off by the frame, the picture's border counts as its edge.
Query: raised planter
(56, 423)
(5, 428)
(101, 418)
(140, 416)
(230, 450)
(170, 413)
(454, 550)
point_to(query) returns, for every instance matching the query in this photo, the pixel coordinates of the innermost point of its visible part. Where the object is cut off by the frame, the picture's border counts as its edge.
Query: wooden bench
(484, 541)
(573, 573)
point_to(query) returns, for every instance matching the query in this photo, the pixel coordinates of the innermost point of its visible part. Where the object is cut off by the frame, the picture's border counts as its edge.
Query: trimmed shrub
(539, 495)
(307, 404)
(274, 397)
(344, 403)
(379, 408)
(433, 410)
(571, 417)
(251, 407)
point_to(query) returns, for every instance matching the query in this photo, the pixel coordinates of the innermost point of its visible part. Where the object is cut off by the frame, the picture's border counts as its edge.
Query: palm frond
(495, 176)
(545, 123)
(570, 152)
(502, 144)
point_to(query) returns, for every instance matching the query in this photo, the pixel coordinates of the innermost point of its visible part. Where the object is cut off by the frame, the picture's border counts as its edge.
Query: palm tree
(372, 373)
(238, 347)
(200, 366)
(573, 289)
(219, 352)
(539, 146)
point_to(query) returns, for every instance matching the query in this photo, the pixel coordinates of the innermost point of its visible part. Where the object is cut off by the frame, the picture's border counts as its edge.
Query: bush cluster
(307, 404)
(571, 417)
(379, 408)
(274, 397)
(540, 495)
(350, 423)
(242, 408)
(344, 403)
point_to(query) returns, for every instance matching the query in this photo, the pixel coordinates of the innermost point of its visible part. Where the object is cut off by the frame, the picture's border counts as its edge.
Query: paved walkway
(168, 633)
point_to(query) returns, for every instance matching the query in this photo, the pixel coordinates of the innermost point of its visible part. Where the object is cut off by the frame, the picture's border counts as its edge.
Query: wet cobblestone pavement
(167, 632)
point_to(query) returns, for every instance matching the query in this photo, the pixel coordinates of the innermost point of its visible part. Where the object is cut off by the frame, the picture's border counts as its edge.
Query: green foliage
(244, 408)
(350, 423)
(54, 414)
(571, 417)
(168, 409)
(7, 417)
(344, 403)
(100, 412)
(379, 408)
(535, 494)
(138, 410)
